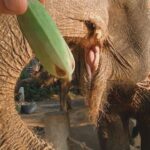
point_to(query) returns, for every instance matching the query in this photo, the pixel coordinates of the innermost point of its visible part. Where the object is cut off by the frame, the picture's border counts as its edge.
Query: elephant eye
(90, 25)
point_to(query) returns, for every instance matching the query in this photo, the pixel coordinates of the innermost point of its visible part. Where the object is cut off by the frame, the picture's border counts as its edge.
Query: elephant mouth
(92, 45)
(92, 60)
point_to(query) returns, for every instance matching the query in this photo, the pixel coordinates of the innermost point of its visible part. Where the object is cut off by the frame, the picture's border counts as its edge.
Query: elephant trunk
(15, 53)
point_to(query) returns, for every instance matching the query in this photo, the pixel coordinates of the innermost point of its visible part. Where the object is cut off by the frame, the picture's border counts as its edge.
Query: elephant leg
(144, 129)
(141, 105)
(113, 132)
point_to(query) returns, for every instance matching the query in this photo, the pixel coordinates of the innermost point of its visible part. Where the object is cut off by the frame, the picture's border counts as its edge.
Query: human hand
(14, 6)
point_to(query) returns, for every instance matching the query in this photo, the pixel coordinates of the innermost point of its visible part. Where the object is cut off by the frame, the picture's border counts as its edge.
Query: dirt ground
(81, 130)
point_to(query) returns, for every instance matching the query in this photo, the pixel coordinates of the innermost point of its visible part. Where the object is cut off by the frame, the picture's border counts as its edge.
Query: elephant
(111, 39)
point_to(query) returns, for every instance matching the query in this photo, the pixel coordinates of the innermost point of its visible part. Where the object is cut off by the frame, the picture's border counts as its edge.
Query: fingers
(14, 6)
(42, 1)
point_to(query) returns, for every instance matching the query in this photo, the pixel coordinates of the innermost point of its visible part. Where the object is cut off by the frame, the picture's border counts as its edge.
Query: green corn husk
(46, 41)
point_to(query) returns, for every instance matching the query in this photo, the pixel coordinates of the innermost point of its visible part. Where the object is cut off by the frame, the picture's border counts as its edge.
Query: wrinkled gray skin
(123, 62)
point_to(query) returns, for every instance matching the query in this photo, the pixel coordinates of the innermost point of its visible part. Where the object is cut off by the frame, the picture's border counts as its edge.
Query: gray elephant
(111, 38)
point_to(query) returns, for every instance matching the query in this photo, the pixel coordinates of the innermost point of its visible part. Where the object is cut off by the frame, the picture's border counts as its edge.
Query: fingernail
(16, 6)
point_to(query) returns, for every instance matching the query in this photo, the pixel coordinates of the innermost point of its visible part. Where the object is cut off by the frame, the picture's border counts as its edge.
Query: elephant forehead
(70, 15)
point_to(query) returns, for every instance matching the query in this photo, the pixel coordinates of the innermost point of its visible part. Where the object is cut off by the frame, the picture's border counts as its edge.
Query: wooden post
(21, 94)
(57, 129)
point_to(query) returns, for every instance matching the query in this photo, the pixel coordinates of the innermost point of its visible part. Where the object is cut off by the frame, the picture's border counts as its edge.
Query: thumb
(42, 1)
(15, 6)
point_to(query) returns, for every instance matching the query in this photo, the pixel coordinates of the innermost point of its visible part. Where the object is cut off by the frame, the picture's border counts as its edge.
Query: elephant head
(112, 37)
(16, 53)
